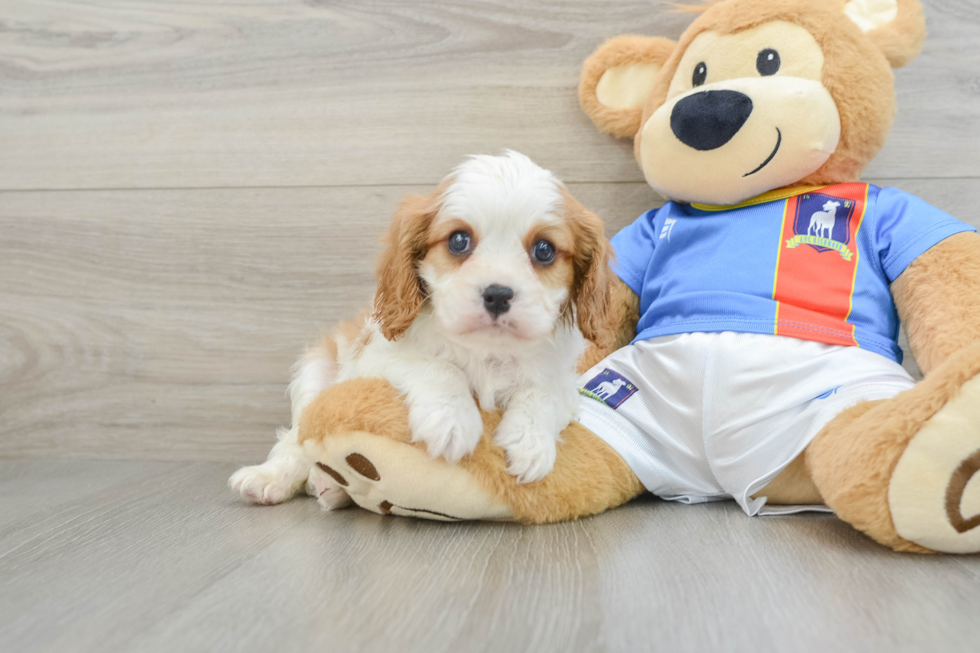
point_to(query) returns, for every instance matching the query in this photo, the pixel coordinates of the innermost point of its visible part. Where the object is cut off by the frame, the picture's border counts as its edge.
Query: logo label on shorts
(610, 388)
(828, 394)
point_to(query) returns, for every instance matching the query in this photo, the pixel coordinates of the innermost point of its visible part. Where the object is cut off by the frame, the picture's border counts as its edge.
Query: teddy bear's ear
(897, 27)
(617, 79)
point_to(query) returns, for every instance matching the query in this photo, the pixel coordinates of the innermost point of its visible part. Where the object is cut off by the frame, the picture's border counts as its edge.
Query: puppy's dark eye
(543, 252)
(767, 63)
(700, 74)
(459, 242)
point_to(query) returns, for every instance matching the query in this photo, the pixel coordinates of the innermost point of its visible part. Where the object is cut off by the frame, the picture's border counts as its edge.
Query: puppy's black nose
(709, 119)
(496, 299)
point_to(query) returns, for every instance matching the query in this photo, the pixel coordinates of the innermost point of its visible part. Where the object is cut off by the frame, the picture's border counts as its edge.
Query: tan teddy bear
(755, 318)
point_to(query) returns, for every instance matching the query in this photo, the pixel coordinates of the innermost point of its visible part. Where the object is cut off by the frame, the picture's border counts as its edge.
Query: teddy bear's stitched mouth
(779, 141)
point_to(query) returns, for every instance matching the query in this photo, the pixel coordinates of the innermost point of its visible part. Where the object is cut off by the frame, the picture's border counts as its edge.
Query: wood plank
(170, 94)
(161, 558)
(162, 324)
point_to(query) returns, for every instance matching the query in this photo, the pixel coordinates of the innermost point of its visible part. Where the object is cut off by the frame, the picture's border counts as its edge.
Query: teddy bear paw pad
(934, 492)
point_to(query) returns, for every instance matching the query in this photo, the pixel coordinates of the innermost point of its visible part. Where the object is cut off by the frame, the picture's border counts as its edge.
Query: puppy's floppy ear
(400, 290)
(617, 79)
(592, 285)
(897, 27)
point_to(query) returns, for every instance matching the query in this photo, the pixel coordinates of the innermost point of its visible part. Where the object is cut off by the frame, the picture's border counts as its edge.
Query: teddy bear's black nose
(709, 119)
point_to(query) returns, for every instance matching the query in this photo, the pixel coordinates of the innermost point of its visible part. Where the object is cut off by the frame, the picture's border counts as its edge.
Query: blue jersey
(811, 263)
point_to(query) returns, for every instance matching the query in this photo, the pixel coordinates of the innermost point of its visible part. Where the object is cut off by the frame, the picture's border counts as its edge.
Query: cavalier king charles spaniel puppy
(487, 291)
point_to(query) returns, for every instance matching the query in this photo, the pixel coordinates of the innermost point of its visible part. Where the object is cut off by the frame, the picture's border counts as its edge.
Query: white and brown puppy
(486, 288)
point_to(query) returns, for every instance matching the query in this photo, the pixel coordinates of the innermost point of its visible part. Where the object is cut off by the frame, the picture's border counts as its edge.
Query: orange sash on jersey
(817, 264)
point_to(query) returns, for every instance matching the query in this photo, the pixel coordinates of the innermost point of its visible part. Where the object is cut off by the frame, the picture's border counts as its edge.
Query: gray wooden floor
(156, 556)
(189, 191)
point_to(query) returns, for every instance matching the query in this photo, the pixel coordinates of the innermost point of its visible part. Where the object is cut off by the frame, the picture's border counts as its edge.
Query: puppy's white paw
(531, 450)
(449, 426)
(329, 493)
(268, 483)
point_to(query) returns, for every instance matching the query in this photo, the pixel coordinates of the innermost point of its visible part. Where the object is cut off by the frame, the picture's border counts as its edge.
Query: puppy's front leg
(442, 412)
(529, 431)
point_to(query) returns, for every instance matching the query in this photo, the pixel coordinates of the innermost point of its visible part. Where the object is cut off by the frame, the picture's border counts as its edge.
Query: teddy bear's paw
(393, 477)
(530, 449)
(934, 492)
(272, 482)
(329, 492)
(450, 427)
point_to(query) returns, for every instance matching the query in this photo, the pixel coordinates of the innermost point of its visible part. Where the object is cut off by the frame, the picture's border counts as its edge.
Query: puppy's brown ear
(618, 78)
(592, 285)
(400, 290)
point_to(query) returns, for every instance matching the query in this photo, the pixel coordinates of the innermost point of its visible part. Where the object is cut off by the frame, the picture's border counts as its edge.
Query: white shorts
(711, 416)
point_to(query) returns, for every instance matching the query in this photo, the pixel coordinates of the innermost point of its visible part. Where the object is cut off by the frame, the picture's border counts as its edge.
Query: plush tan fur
(852, 459)
(619, 51)
(938, 299)
(793, 486)
(856, 72)
(588, 477)
(901, 40)
(370, 405)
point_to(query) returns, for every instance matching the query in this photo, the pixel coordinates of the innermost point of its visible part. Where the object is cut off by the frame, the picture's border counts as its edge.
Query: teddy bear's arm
(938, 299)
(620, 324)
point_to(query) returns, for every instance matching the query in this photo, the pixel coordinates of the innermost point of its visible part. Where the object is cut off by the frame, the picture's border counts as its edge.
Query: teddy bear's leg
(358, 434)
(905, 470)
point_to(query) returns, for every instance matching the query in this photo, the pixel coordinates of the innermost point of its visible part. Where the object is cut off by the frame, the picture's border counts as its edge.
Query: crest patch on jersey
(610, 388)
(814, 284)
(823, 222)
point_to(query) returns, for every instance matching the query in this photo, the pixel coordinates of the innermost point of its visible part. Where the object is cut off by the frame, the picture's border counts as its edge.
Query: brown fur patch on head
(591, 285)
(400, 290)
(560, 273)
(856, 72)
(438, 257)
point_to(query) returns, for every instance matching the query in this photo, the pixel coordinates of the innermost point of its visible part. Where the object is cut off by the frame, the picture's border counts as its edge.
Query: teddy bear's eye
(700, 74)
(767, 63)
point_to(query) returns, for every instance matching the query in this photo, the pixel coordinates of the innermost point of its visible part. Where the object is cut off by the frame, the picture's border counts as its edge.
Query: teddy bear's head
(756, 94)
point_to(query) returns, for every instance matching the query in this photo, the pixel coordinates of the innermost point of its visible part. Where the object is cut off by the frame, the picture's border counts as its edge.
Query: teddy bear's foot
(327, 487)
(358, 433)
(934, 493)
(397, 478)
(904, 470)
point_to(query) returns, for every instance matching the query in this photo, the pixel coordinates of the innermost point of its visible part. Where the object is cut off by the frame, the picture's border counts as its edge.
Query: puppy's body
(535, 382)
(476, 291)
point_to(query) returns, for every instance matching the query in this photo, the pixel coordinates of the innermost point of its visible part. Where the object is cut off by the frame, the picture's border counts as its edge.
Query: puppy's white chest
(493, 379)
